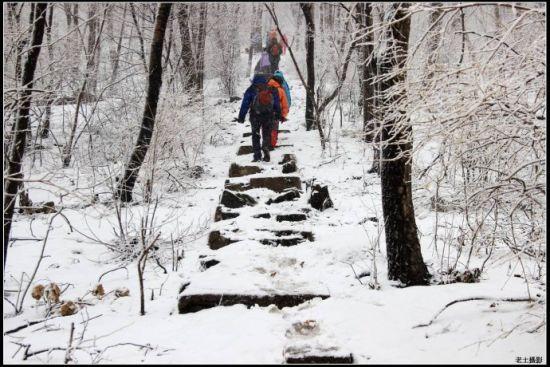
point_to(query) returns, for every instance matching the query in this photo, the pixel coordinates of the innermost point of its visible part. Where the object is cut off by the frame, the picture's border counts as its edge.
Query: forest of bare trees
(118, 104)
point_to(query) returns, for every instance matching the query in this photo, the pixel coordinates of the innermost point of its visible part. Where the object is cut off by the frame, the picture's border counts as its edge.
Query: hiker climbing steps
(263, 212)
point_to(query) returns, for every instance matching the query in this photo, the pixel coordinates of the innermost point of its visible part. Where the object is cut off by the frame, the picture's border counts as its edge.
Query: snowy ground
(376, 325)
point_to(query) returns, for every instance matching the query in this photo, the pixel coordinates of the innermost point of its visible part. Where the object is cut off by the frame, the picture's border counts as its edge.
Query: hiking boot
(256, 160)
(266, 154)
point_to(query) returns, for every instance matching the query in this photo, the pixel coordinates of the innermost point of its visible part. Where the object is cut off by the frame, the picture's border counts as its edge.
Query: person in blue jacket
(279, 74)
(265, 107)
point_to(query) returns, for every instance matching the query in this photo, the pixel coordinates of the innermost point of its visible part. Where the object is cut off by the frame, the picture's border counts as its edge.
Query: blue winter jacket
(285, 86)
(251, 93)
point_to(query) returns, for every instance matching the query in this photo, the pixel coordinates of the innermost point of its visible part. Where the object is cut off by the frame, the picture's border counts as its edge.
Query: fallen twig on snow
(110, 271)
(472, 299)
(29, 323)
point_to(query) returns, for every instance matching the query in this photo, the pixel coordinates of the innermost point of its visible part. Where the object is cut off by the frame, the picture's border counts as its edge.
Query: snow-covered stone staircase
(262, 213)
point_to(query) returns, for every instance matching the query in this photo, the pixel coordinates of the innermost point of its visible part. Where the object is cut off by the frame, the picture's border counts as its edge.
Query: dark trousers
(265, 126)
(274, 61)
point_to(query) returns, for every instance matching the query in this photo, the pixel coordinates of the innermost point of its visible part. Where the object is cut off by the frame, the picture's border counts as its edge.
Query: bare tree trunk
(307, 9)
(405, 261)
(298, 35)
(140, 36)
(368, 70)
(433, 40)
(116, 57)
(82, 95)
(68, 16)
(14, 175)
(126, 185)
(253, 37)
(90, 54)
(258, 28)
(75, 14)
(498, 18)
(377, 104)
(186, 50)
(14, 17)
(201, 43)
(167, 61)
(45, 130)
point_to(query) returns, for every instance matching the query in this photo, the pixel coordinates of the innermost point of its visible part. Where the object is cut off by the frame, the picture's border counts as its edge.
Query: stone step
(287, 195)
(288, 158)
(216, 240)
(237, 171)
(245, 135)
(197, 302)
(205, 264)
(236, 200)
(247, 149)
(277, 184)
(308, 353)
(295, 217)
(223, 215)
(285, 238)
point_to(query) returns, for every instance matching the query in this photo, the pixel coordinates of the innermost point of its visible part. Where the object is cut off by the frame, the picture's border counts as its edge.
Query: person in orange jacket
(277, 83)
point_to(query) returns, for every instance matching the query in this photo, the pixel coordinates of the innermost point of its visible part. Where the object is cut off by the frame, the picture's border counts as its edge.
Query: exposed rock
(205, 264)
(320, 198)
(288, 158)
(122, 292)
(237, 186)
(291, 217)
(221, 215)
(285, 242)
(316, 354)
(289, 167)
(216, 240)
(368, 219)
(237, 171)
(184, 286)
(196, 172)
(277, 184)
(303, 328)
(235, 200)
(289, 195)
(290, 237)
(467, 276)
(234, 99)
(263, 215)
(197, 302)
(245, 149)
